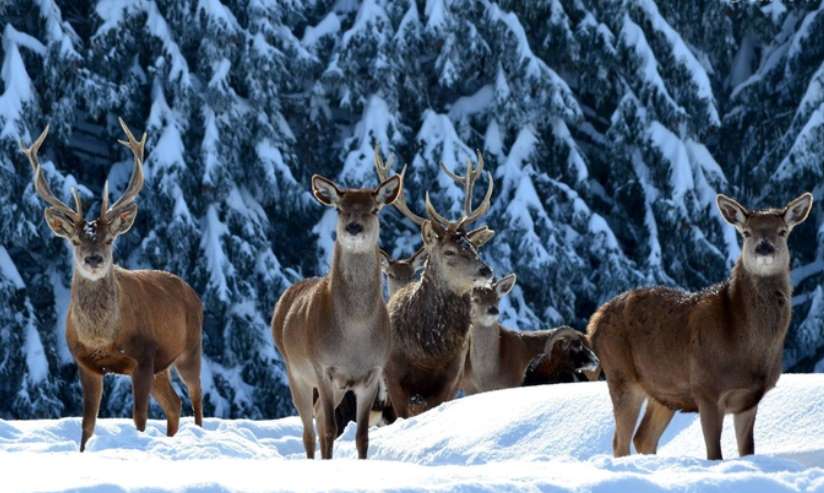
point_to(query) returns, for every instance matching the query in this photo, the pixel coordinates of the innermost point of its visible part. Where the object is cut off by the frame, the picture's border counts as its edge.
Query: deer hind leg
(365, 400)
(655, 421)
(744, 425)
(142, 378)
(627, 399)
(92, 385)
(165, 395)
(189, 369)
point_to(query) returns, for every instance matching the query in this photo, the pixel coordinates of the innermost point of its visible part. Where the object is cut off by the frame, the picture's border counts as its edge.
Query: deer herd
(351, 354)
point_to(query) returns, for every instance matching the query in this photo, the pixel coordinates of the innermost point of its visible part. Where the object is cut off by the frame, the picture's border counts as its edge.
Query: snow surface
(548, 438)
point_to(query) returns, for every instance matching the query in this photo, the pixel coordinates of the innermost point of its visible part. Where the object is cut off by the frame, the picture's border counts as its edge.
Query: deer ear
(60, 223)
(431, 232)
(479, 237)
(419, 259)
(123, 220)
(732, 212)
(798, 209)
(388, 191)
(325, 191)
(505, 285)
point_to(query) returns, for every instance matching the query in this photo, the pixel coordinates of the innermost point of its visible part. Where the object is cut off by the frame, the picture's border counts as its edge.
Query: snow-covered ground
(552, 438)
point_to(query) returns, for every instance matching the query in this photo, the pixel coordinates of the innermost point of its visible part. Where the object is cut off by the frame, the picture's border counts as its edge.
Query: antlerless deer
(333, 331)
(137, 323)
(717, 351)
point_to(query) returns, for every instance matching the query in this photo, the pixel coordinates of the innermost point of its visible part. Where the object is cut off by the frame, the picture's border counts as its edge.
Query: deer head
(765, 251)
(403, 271)
(358, 227)
(452, 251)
(485, 299)
(92, 241)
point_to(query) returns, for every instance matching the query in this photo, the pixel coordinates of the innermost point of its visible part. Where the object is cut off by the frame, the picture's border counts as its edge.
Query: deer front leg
(92, 385)
(327, 428)
(712, 422)
(142, 378)
(365, 400)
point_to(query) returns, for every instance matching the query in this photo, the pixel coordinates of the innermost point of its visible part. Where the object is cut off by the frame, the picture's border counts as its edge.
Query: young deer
(499, 358)
(567, 358)
(430, 317)
(333, 331)
(717, 351)
(137, 323)
(403, 271)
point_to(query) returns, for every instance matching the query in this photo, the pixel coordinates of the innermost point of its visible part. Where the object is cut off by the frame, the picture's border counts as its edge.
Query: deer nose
(764, 248)
(485, 271)
(94, 260)
(354, 228)
(494, 310)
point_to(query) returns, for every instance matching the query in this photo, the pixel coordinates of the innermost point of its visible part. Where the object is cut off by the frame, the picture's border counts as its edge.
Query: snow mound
(553, 438)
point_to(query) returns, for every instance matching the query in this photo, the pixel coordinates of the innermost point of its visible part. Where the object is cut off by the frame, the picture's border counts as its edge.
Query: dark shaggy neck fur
(433, 322)
(95, 310)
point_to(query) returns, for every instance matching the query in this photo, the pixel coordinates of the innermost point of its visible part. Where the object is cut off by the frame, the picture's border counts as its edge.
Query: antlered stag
(139, 322)
(430, 317)
(498, 358)
(333, 331)
(717, 351)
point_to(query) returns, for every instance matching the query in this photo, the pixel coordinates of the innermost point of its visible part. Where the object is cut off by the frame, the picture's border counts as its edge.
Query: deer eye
(782, 233)
(109, 241)
(747, 234)
(375, 210)
(449, 253)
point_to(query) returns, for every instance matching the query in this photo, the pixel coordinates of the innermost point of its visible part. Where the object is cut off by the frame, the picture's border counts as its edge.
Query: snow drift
(549, 438)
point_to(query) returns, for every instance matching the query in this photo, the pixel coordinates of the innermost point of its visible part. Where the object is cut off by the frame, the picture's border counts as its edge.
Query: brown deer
(333, 331)
(131, 322)
(498, 358)
(403, 271)
(430, 317)
(717, 351)
(567, 358)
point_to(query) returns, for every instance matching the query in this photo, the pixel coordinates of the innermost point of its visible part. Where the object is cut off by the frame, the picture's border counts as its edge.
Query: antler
(135, 183)
(468, 182)
(40, 183)
(383, 170)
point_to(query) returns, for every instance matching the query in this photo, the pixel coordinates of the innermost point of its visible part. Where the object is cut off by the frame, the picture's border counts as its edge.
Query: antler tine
(430, 209)
(31, 151)
(77, 203)
(136, 182)
(485, 203)
(41, 186)
(400, 203)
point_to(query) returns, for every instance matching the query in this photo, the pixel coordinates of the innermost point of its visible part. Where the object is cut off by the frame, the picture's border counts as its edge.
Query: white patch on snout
(489, 320)
(92, 274)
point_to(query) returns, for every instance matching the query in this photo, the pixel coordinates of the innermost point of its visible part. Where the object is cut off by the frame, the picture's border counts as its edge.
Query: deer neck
(355, 283)
(442, 316)
(95, 309)
(484, 349)
(763, 300)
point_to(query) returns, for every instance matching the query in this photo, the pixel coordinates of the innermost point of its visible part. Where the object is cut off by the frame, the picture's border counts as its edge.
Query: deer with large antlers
(333, 331)
(430, 317)
(131, 322)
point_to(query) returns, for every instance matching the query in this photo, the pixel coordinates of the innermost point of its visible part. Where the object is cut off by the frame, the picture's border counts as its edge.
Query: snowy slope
(531, 439)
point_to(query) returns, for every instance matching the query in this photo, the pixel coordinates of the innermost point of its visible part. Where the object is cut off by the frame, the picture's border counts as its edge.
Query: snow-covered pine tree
(608, 128)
